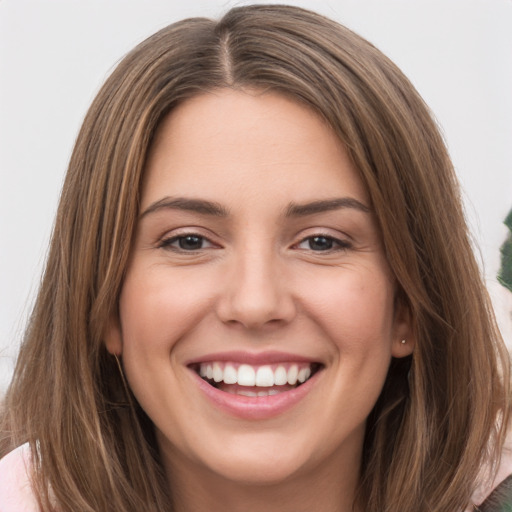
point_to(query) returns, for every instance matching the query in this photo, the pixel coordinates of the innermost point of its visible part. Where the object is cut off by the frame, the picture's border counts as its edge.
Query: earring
(403, 342)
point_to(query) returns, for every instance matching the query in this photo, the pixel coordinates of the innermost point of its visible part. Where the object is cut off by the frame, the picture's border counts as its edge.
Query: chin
(267, 459)
(254, 471)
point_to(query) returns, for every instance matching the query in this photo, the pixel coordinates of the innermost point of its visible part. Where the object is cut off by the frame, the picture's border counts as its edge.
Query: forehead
(254, 143)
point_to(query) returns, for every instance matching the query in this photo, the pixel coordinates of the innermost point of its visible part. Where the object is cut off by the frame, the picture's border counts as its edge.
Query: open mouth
(255, 380)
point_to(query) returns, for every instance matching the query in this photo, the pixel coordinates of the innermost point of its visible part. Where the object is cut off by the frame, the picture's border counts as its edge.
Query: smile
(253, 390)
(237, 378)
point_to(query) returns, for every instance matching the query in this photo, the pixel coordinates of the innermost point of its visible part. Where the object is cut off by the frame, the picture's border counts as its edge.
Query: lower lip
(256, 408)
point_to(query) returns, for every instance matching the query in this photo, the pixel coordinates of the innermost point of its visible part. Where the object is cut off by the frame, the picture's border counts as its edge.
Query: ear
(403, 337)
(113, 338)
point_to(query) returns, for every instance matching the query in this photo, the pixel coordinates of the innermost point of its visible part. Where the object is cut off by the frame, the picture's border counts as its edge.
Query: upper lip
(252, 358)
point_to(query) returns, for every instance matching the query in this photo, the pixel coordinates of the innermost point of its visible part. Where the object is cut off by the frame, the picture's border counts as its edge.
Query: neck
(196, 488)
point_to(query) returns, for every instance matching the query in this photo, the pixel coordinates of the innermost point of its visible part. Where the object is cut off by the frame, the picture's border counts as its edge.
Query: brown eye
(190, 242)
(320, 243)
(185, 243)
(323, 243)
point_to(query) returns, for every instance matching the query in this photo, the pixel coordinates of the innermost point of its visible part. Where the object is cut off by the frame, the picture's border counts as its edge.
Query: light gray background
(55, 54)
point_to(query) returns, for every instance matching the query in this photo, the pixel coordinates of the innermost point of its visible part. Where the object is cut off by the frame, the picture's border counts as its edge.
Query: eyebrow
(200, 206)
(325, 205)
(205, 207)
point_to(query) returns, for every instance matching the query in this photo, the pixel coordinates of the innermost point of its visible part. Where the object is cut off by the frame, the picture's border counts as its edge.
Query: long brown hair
(441, 412)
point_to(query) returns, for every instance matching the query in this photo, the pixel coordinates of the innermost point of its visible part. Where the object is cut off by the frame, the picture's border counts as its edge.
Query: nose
(256, 291)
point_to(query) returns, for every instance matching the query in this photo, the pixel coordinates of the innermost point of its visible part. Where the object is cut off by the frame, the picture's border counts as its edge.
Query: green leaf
(505, 273)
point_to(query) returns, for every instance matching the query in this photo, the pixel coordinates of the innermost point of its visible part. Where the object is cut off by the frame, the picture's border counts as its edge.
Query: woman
(260, 292)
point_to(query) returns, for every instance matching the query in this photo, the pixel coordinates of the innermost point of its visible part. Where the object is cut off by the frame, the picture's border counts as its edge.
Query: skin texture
(256, 282)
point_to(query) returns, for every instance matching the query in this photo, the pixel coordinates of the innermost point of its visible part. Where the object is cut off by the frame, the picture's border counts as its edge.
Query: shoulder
(15, 488)
(493, 496)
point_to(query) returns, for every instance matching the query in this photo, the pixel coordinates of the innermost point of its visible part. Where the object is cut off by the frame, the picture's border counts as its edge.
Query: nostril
(256, 301)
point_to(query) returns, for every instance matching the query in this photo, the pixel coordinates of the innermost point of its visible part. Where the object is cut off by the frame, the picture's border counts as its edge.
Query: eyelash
(167, 242)
(334, 244)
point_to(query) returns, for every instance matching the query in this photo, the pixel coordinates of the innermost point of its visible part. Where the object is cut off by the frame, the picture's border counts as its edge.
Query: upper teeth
(263, 376)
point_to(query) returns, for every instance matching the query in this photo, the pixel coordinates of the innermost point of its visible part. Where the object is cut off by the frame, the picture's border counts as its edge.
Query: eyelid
(166, 241)
(341, 243)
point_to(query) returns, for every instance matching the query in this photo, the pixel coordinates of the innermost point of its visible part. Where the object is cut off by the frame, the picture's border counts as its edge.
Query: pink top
(16, 493)
(15, 490)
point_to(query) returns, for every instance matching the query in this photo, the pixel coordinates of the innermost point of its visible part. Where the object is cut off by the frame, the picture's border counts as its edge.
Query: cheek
(160, 307)
(355, 310)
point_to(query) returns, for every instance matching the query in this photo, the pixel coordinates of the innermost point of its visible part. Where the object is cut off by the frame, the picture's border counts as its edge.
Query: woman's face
(257, 265)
